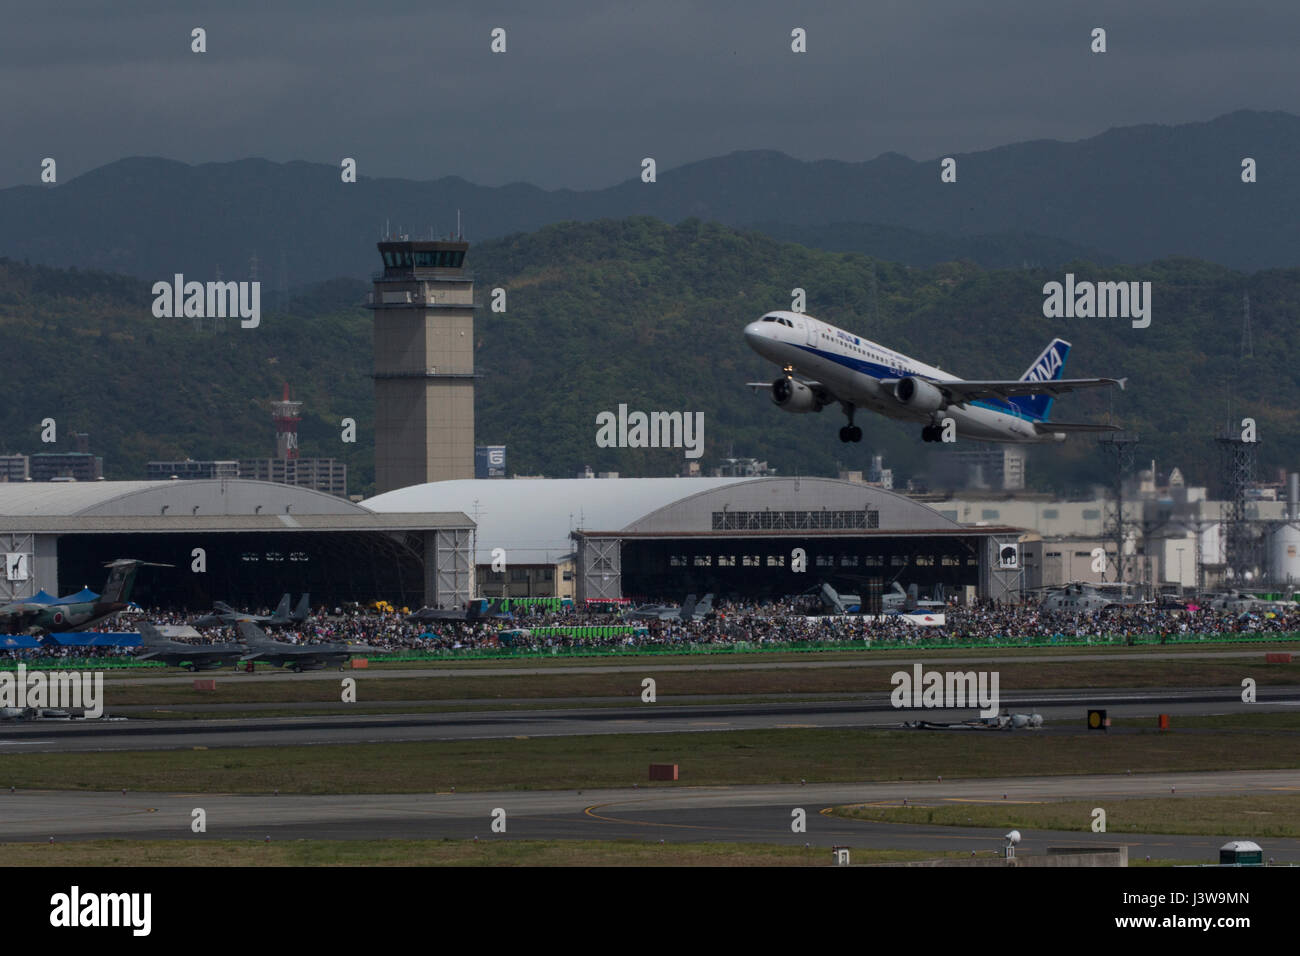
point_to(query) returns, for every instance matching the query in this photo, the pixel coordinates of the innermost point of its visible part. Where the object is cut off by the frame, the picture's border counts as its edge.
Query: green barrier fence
(752, 647)
(77, 663)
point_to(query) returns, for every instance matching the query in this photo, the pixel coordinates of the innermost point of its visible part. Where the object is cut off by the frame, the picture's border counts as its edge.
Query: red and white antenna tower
(286, 417)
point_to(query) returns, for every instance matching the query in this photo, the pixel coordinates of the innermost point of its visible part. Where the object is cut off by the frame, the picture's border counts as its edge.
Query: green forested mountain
(639, 312)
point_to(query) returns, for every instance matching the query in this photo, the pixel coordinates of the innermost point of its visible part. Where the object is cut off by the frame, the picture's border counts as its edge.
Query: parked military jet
(690, 610)
(297, 657)
(224, 615)
(157, 645)
(29, 618)
(479, 609)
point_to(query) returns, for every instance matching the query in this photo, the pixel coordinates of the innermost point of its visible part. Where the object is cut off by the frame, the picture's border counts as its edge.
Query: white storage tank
(1284, 554)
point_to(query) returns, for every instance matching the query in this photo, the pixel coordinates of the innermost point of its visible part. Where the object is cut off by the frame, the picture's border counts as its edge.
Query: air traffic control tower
(424, 363)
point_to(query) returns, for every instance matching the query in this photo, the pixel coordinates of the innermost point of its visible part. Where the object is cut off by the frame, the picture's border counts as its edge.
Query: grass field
(1254, 816)
(236, 688)
(618, 760)
(218, 853)
(203, 852)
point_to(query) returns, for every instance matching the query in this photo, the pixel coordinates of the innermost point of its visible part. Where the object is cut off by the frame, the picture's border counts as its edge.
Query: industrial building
(244, 542)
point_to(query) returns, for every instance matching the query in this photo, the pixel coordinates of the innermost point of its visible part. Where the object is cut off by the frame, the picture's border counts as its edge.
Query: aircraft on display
(223, 615)
(896, 600)
(156, 644)
(690, 610)
(825, 365)
(297, 657)
(1082, 597)
(26, 617)
(1241, 602)
(480, 609)
(840, 603)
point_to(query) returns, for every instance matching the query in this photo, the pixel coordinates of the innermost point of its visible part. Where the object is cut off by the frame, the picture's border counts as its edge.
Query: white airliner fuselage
(824, 365)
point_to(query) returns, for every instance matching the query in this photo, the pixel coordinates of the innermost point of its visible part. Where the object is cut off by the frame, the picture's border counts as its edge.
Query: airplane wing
(961, 391)
(18, 612)
(1046, 428)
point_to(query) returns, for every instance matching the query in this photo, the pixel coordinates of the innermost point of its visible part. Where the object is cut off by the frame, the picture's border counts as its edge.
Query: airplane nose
(754, 333)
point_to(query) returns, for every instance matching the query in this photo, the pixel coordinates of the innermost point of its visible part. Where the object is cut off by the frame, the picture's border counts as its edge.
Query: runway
(869, 712)
(761, 814)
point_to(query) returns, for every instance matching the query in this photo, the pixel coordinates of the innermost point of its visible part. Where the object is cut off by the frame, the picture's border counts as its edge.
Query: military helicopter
(1083, 597)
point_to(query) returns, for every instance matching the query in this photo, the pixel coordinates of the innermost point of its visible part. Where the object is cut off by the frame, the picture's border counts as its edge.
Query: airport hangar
(259, 539)
(662, 538)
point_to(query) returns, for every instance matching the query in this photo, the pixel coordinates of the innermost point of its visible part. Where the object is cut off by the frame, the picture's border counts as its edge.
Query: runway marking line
(644, 823)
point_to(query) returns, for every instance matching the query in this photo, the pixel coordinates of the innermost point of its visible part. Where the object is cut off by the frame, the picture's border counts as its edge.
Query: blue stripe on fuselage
(878, 371)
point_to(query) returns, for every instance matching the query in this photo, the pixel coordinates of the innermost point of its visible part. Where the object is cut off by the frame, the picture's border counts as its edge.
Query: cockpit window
(769, 318)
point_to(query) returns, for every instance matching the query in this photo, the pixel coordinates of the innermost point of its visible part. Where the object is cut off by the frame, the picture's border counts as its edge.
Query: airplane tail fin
(121, 577)
(302, 610)
(831, 597)
(150, 635)
(281, 612)
(688, 607)
(704, 607)
(1050, 365)
(250, 633)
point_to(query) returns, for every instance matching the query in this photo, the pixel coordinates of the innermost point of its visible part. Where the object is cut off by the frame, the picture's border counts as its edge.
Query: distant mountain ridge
(1131, 194)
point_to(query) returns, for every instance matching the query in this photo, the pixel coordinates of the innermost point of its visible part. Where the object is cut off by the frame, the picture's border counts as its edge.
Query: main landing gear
(934, 430)
(850, 432)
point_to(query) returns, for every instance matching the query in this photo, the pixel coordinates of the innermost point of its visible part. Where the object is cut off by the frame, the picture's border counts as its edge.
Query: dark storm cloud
(585, 91)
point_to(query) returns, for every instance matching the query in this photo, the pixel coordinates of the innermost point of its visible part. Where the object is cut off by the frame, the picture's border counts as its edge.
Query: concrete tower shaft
(423, 303)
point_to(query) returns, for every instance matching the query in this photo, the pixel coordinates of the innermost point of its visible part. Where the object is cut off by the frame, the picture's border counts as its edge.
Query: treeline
(646, 314)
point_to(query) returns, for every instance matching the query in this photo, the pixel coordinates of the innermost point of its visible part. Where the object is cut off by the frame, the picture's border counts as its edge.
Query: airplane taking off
(825, 365)
(28, 618)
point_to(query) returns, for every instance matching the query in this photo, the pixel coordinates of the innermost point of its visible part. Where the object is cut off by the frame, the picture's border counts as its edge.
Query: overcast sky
(585, 90)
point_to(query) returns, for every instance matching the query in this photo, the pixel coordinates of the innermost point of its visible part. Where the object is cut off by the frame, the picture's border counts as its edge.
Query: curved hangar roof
(532, 518)
(231, 504)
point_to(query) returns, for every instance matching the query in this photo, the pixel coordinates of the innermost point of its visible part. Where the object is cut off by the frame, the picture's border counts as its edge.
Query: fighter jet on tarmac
(156, 646)
(298, 657)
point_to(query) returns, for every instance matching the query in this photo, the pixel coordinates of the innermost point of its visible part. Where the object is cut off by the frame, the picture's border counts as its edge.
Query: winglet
(1123, 382)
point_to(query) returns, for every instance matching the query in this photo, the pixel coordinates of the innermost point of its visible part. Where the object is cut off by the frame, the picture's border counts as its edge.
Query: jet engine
(919, 394)
(794, 396)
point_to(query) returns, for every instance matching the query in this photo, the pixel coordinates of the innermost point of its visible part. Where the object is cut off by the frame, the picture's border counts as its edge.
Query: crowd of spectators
(730, 623)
